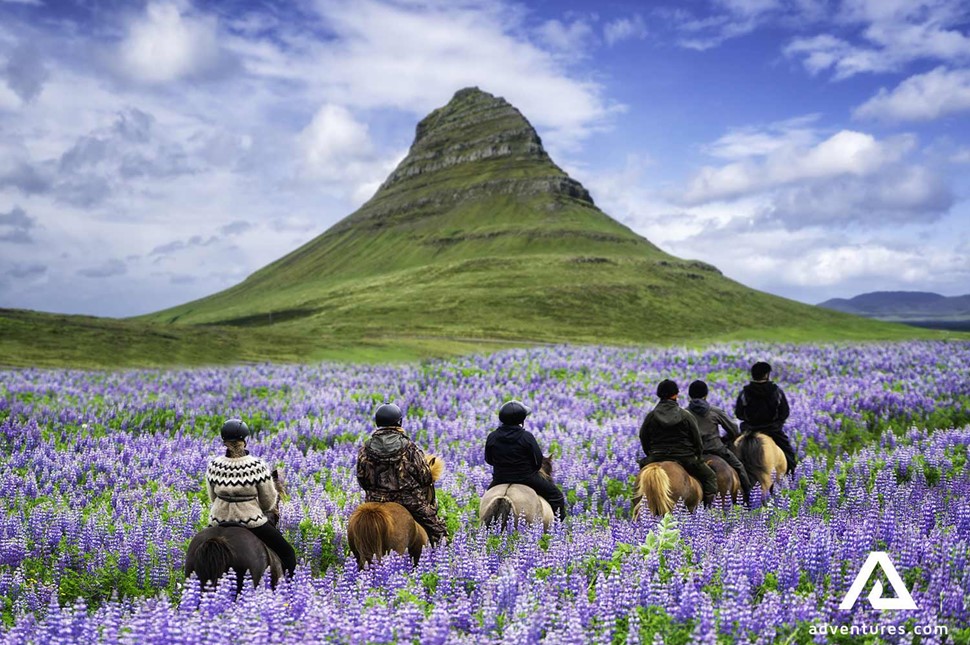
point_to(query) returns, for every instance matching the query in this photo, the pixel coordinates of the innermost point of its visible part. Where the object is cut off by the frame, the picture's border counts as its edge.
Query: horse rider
(242, 492)
(762, 407)
(515, 456)
(391, 468)
(708, 419)
(670, 433)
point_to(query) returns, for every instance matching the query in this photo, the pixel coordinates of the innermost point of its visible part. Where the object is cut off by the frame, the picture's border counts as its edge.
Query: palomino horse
(661, 484)
(762, 458)
(503, 502)
(377, 528)
(217, 549)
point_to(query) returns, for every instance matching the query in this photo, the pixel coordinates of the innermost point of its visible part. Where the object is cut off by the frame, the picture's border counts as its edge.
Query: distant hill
(478, 235)
(919, 308)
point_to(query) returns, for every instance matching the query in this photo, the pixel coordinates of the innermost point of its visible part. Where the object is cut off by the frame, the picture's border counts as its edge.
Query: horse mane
(437, 466)
(213, 558)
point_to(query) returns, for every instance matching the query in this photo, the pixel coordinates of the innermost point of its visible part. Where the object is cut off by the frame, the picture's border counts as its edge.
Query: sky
(154, 153)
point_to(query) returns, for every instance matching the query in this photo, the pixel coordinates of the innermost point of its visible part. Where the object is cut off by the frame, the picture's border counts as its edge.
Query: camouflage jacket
(389, 464)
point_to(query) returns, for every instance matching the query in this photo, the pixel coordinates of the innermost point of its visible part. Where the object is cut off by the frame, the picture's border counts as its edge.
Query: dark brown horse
(377, 528)
(728, 482)
(503, 503)
(217, 549)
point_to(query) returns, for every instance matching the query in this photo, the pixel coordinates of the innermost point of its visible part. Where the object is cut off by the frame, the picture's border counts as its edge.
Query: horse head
(546, 468)
(437, 466)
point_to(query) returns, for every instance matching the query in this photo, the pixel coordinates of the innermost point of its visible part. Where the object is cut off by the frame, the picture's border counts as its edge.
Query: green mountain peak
(477, 234)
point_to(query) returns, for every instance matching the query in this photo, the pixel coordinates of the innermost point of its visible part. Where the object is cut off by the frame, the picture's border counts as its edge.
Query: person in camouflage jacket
(391, 468)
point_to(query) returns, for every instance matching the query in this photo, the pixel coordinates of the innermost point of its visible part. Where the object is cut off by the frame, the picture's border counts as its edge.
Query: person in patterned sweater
(242, 491)
(391, 468)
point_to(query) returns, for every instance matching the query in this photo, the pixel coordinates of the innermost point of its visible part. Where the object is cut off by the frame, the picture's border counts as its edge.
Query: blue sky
(153, 153)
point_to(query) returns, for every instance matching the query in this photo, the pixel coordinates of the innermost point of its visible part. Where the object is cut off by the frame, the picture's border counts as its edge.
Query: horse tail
(752, 456)
(655, 488)
(367, 530)
(213, 559)
(500, 511)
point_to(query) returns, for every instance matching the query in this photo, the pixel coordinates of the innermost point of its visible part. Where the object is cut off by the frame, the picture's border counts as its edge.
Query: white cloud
(570, 39)
(881, 36)
(166, 44)
(621, 29)
(844, 153)
(922, 97)
(742, 143)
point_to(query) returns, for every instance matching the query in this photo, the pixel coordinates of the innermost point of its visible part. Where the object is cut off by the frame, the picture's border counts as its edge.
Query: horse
(762, 458)
(661, 484)
(217, 549)
(728, 481)
(503, 502)
(377, 528)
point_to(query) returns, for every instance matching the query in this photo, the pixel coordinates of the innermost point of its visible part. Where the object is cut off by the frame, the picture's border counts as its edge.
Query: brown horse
(762, 458)
(504, 502)
(728, 482)
(217, 549)
(661, 484)
(377, 528)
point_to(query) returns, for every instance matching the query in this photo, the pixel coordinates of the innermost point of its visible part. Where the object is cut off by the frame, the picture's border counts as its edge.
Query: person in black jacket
(762, 407)
(708, 419)
(670, 433)
(515, 456)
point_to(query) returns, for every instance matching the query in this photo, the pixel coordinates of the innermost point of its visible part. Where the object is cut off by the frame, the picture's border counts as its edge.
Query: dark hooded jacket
(671, 431)
(513, 453)
(708, 419)
(761, 405)
(389, 463)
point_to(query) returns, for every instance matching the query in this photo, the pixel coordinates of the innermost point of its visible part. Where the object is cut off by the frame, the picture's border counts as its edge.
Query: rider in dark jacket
(391, 468)
(670, 433)
(708, 419)
(515, 456)
(762, 407)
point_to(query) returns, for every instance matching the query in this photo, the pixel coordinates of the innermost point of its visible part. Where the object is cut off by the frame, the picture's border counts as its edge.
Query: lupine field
(102, 490)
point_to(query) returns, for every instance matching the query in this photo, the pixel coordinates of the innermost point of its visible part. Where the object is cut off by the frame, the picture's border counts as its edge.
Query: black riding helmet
(388, 416)
(513, 413)
(234, 430)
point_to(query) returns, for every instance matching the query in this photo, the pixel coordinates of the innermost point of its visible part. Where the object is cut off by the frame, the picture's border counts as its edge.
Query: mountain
(478, 235)
(920, 308)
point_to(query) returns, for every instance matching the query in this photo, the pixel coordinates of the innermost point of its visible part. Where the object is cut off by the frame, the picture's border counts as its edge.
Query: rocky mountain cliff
(478, 234)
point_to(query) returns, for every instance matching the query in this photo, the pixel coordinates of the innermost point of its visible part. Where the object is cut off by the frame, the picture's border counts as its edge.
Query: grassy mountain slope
(479, 235)
(477, 241)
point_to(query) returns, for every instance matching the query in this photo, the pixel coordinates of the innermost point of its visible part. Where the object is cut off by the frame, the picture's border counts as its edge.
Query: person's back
(709, 419)
(516, 458)
(391, 468)
(670, 433)
(242, 491)
(762, 407)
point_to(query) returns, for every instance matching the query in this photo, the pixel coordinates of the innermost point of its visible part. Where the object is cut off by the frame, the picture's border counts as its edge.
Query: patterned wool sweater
(240, 489)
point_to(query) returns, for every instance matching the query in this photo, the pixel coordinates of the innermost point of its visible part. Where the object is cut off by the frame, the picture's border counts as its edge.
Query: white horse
(503, 502)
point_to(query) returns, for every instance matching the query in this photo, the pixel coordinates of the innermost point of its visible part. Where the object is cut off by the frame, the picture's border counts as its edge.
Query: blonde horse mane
(437, 466)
